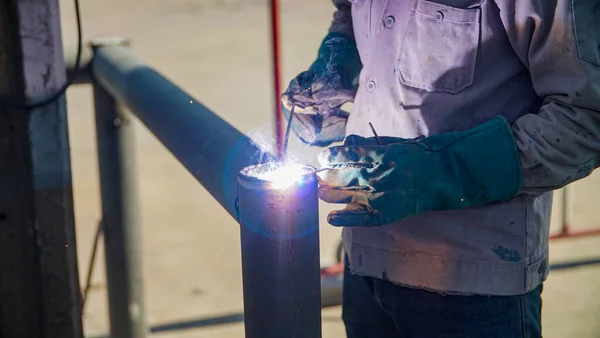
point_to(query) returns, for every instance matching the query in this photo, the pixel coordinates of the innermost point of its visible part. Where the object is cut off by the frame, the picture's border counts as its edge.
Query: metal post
(566, 209)
(123, 248)
(332, 280)
(280, 257)
(39, 282)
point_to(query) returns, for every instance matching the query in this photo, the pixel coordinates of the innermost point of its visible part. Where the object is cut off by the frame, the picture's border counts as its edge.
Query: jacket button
(439, 16)
(371, 86)
(389, 21)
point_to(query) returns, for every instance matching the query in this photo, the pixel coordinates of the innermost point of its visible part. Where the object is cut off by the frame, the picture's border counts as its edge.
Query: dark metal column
(280, 257)
(122, 228)
(39, 282)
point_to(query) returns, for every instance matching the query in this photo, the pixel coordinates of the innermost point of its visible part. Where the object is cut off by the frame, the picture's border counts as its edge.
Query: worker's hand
(404, 178)
(318, 93)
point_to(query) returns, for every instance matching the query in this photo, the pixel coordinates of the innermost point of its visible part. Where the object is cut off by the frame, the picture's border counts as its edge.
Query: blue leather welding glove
(319, 92)
(404, 178)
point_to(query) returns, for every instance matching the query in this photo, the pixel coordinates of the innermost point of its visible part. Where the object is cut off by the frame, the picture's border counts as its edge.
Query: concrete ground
(218, 51)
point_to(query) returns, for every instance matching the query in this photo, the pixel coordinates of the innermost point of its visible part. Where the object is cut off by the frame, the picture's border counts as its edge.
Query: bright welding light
(278, 175)
(283, 176)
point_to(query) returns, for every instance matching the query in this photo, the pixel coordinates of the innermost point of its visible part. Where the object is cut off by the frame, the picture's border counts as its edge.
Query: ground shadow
(574, 264)
(239, 317)
(193, 323)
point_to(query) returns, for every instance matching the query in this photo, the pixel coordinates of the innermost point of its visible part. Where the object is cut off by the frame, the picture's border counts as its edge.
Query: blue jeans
(375, 308)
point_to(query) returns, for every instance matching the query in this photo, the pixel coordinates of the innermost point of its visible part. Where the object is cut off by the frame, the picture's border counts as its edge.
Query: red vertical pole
(276, 76)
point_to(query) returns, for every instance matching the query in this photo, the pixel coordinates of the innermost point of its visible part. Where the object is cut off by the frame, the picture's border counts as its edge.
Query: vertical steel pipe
(280, 257)
(122, 228)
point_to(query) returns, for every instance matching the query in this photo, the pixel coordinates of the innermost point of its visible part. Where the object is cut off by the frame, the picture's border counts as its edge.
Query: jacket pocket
(585, 18)
(439, 48)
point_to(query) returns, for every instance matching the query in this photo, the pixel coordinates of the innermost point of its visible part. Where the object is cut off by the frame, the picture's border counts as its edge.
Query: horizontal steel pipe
(211, 149)
(82, 71)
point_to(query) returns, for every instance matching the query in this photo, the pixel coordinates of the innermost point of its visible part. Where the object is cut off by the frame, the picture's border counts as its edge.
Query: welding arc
(287, 132)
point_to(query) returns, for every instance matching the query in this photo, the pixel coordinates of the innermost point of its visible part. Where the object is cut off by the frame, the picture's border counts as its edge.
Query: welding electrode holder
(280, 257)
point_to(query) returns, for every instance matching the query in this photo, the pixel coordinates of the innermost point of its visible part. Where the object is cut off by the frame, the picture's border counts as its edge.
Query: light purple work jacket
(431, 67)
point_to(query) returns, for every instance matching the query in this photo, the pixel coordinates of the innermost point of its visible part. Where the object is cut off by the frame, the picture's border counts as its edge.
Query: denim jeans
(375, 308)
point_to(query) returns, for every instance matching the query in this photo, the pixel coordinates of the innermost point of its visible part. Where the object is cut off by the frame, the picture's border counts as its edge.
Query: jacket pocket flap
(449, 13)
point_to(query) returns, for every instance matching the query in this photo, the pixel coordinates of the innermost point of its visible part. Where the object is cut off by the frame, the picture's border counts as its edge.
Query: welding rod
(375, 133)
(287, 132)
(310, 173)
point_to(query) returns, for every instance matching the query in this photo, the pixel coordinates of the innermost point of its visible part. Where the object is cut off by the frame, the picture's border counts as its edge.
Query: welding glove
(403, 178)
(319, 92)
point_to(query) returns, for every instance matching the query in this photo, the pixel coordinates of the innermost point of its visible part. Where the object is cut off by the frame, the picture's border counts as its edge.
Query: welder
(483, 108)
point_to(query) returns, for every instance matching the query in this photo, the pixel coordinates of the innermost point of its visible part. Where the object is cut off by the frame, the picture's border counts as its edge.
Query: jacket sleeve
(559, 42)
(342, 18)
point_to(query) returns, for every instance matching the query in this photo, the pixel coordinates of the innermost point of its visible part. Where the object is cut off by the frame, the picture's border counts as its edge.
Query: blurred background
(219, 52)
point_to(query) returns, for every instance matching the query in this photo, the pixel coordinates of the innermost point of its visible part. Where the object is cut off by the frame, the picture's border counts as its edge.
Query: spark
(280, 175)
(262, 139)
(284, 176)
